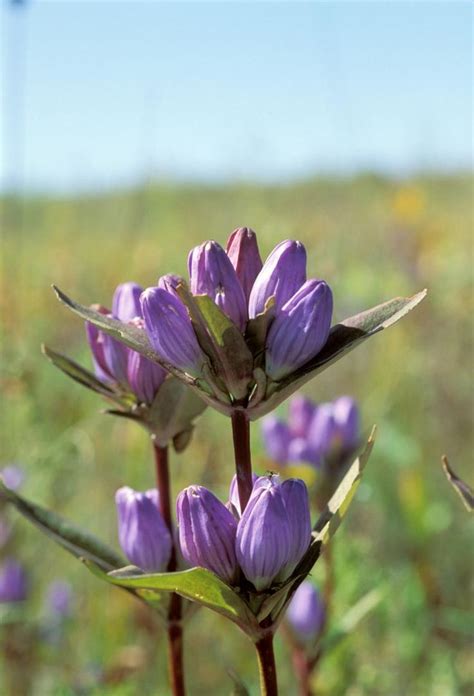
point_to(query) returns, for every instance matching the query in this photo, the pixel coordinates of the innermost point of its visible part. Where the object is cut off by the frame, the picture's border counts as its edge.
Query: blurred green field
(406, 533)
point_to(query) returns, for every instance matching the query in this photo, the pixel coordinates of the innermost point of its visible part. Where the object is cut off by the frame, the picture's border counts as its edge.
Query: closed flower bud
(283, 273)
(263, 543)
(116, 358)
(13, 582)
(234, 499)
(207, 532)
(322, 433)
(347, 420)
(126, 301)
(242, 250)
(170, 330)
(306, 613)
(277, 438)
(295, 496)
(212, 273)
(170, 282)
(143, 534)
(95, 338)
(300, 329)
(144, 377)
(301, 412)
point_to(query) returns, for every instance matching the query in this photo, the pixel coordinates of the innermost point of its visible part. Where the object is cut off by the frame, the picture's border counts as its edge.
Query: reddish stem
(267, 667)
(243, 460)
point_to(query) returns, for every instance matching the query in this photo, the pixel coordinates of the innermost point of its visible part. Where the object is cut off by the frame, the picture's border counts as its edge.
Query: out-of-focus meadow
(406, 533)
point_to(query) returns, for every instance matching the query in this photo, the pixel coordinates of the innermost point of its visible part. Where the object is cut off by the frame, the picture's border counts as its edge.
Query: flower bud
(207, 532)
(242, 250)
(299, 330)
(277, 438)
(170, 282)
(306, 612)
(347, 421)
(283, 273)
(13, 582)
(126, 301)
(144, 376)
(263, 543)
(212, 273)
(295, 496)
(301, 412)
(234, 498)
(95, 338)
(170, 330)
(322, 433)
(143, 534)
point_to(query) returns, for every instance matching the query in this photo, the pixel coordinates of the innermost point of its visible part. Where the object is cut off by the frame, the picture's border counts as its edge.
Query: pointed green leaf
(197, 584)
(174, 410)
(343, 338)
(75, 540)
(463, 490)
(81, 375)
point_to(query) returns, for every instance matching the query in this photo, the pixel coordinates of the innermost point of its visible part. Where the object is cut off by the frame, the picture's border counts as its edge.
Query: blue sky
(118, 91)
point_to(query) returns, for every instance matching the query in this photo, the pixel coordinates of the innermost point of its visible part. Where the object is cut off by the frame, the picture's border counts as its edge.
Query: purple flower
(212, 273)
(347, 421)
(143, 534)
(306, 613)
(300, 415)
(277, 438)
(170, 282)
(95, 338)
(299, 330)
(322, 433)
(283, 273)
(242, 250)
(234, 499)
(126, 301)
(144, 377)
(59, 598)
(207, 532)
(13, 476)
(271, 537)
(13, 582)
(170, 330)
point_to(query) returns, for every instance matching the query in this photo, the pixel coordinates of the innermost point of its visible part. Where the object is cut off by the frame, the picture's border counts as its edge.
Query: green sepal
(173, 412)
(74, 539)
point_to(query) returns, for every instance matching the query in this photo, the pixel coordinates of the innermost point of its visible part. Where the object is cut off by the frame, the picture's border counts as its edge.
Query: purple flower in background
(306, 613)
(277, 438)
(283, 273)
(59, 598)
(13, 476)
(207, 532)
(126, 301)
(212, 273)
(299, 330)
(242, 250)
(315, 434)
(13, 581)
(143, 534)
(170, 330)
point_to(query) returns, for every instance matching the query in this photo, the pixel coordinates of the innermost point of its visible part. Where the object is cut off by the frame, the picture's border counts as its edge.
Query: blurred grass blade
(463, 490)
(75, 540)
(239, 688)
(351, 619)
(197, 584)
(343, 338)
(81, 375)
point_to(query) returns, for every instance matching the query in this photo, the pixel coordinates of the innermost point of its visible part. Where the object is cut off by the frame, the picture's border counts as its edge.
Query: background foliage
(407, 533)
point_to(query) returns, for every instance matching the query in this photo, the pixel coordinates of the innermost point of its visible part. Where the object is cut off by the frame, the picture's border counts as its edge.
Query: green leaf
(343, 338)
(197, 584)
(82, 376)
(463, 490)
(174, 410)
(75, 540)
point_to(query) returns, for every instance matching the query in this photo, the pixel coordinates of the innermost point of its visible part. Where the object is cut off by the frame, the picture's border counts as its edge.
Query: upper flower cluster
(314, 433)
(266, 542)
(113, 361)
(283, 317)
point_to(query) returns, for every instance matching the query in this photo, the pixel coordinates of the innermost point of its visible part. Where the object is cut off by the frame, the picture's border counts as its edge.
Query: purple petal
(301, 412)
(144, 377)
(295, 496)
(13, 581)
(283, 273)
(126, 301)
(242, 250)
(234, 492)
(276, 438)
(306, 612)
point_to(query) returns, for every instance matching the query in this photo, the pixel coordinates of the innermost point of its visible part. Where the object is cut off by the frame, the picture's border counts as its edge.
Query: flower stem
(243, 461)
(175, 631)
(266, 666)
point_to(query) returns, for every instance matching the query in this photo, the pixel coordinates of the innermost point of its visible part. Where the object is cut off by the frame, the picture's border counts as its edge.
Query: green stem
(266, 666)
(175, 631)
(243, 460)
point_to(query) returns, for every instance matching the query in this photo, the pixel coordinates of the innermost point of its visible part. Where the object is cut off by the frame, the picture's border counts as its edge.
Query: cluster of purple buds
(265, 543)
(143, 534)
(299, 310)
(306, 613)
(116, 364)
(314, 433)
(13, 582)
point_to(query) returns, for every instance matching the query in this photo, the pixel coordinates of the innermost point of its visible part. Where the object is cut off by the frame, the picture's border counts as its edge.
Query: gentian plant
(240, 336)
